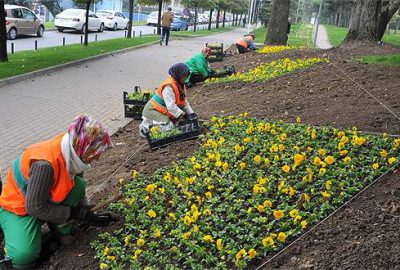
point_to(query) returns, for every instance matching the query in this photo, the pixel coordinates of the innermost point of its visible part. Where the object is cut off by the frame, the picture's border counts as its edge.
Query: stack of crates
(134, 102)
(217, 52)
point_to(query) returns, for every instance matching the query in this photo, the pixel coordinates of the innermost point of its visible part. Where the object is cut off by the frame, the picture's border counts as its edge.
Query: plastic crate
(190, 130)
(134, 108)
(217, 52)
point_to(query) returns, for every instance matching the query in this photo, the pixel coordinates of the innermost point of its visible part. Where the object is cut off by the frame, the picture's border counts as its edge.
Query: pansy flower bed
(274, 49)
(269, 71)
(252, 187)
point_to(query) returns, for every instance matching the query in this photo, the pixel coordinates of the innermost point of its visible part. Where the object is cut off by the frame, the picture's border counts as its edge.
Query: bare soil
(363, 235)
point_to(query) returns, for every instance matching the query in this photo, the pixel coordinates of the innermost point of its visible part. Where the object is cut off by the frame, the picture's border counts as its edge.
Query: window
(28, 14)
(17, 13)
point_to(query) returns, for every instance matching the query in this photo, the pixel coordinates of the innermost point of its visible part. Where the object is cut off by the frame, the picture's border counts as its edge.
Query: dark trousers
(241, 49)
(196, 78)
(165, 32)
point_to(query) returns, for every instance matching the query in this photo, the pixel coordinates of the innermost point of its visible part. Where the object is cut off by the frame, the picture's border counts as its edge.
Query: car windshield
(104, 13)
(72, 12)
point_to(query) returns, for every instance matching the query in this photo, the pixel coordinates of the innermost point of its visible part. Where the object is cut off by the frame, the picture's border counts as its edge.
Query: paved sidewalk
(35, 110)
(322, 39)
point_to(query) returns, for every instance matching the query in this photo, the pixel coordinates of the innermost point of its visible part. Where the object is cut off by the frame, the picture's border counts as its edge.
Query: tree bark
(3, 35)
(159, 17)
(130, 18)
(210, 19)
(218, 14)
(87, 24)
(223, 19)
(370, 18)
(278, 24)
(195, 19)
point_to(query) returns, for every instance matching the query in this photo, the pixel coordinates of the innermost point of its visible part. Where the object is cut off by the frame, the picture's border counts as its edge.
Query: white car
(152, 19)
(113, 19)
(74, 19)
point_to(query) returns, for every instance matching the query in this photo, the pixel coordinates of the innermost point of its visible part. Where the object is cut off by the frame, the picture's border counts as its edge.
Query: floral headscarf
(88, 137)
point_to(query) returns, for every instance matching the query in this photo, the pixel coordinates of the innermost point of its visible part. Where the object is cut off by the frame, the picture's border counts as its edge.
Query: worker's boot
(103, 218)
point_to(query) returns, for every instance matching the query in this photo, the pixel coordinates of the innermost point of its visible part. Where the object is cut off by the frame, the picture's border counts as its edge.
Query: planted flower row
(269, 71)
(274, 49)
(251, 188)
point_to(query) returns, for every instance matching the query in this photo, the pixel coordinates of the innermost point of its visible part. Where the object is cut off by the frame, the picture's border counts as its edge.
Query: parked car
(179, 24)
(22, 21)
(202, 18)
(113, 19)
(74, 19)
(152, 19)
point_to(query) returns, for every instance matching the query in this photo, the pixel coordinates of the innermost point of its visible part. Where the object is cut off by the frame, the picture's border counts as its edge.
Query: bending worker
(246, 43)
(198, 67)
(169, 104)
(45, 184)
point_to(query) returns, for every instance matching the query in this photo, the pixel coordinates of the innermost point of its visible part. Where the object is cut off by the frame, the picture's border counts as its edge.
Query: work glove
(192, 117)
(81, 213)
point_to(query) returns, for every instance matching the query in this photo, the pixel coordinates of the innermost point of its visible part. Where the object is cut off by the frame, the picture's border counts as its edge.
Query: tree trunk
(218, 14)
(159, 17)
(223, 19)
(195, 19)
(210, 19)
(3, 35)
(370, 18)
(130, 18)
(397, 26)
(278, 24)
(387, 12)
(240, 19)
(87, 24)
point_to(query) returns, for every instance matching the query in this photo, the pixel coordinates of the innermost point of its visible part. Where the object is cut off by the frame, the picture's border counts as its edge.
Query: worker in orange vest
(45, 185)
(169, 103)
(246, 43)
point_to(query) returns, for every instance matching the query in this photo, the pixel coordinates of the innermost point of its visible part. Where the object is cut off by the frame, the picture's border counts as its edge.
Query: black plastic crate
(190, 130)
(133, 108)
(217, 52)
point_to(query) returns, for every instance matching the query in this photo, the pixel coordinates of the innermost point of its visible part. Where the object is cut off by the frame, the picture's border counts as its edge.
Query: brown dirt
(365, 234)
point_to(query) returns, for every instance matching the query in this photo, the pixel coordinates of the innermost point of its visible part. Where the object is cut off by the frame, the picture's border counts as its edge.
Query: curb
(30, 75)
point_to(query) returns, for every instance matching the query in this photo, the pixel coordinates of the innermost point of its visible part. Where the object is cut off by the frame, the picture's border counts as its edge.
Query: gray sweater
(38, 202)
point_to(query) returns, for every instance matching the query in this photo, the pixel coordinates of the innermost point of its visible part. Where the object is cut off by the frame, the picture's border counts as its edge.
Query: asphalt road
(55, 38)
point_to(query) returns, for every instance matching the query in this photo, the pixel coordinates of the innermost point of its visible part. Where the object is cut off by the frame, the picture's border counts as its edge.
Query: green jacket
(198, 64)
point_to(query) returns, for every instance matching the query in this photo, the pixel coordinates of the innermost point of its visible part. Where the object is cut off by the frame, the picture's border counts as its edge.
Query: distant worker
(198, 67)
(246, 43)
(244, 21)
(168, 105)
(166, 21)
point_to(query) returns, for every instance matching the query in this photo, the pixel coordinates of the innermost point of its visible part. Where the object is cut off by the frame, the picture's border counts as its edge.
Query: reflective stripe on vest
(20, 179)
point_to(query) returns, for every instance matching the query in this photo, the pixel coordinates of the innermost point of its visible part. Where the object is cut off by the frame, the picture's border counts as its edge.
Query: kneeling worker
(168, 105)
(246, 43)
(198, 67)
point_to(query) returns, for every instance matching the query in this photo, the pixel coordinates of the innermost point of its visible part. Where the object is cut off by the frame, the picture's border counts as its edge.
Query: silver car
(22, 21)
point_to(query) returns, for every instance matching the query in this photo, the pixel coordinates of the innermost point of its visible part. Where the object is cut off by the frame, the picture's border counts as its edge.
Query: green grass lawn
(49, 25)
(300, 35)
(336, 36)
(393, 59)
(28, 61)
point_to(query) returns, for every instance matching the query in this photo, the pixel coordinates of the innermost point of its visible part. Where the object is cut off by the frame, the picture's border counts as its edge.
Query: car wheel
(187, 27)
(115, 27)
(60, 29)
(12, 34)
(101, 29)
(40, 31)
(83, 29)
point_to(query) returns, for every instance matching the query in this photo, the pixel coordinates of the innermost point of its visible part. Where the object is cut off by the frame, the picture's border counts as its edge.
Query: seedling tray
(134, 108)
(190, 130)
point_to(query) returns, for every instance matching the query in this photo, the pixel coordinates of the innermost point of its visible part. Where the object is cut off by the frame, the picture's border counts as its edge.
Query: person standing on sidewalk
(45, 184)
(166, 20)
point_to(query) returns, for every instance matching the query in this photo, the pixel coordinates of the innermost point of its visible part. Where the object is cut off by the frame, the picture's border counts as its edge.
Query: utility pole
(317, 23)
(248, 17)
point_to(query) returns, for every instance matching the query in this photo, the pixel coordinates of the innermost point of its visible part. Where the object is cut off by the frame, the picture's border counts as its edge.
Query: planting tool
(100, 216)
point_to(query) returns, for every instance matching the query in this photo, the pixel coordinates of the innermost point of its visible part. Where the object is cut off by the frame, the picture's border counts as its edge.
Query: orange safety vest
(244, 41)
(158, 100)
(13, 198)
